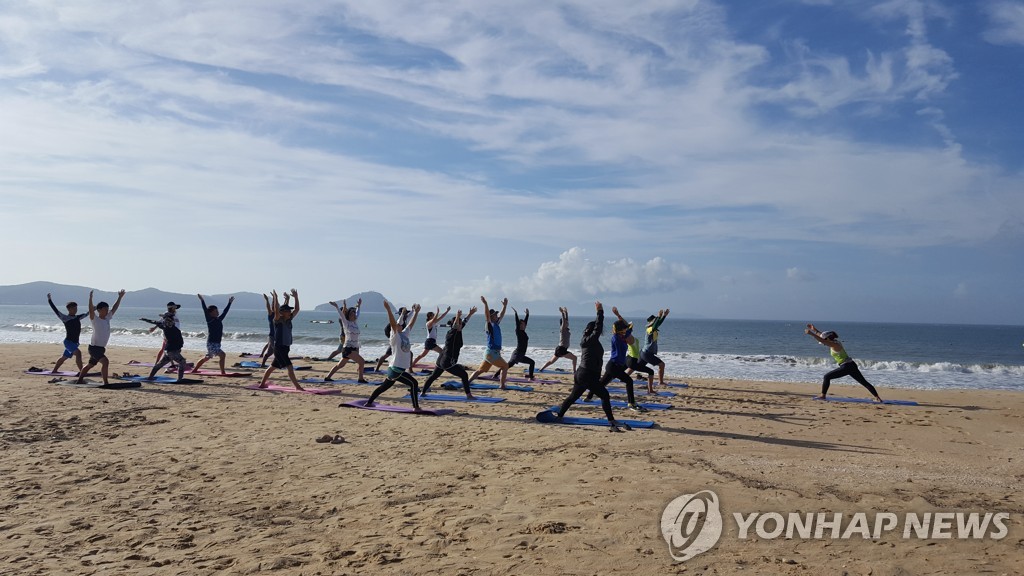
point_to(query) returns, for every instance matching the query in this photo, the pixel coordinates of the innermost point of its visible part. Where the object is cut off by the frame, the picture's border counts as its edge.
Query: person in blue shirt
(72, 331)
(214, 332)
(492, 356)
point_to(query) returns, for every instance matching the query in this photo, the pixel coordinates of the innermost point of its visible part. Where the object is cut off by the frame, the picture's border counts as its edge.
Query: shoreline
(213, 477)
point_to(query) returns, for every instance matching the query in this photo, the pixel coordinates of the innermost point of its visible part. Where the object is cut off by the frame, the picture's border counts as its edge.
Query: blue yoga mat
(674, 385)
(475, 386)
(249, 364)
(640, 392)
(548, 417)
(162, 380)
(455, 398)
(623, 404)
(869, 401)
(337, 381)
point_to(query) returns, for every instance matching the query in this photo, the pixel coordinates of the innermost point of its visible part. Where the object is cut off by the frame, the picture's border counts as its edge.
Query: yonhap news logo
(693, 523)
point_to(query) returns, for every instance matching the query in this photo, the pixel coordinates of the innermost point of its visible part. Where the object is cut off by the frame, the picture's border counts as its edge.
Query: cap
(285, 307)
(173, 305)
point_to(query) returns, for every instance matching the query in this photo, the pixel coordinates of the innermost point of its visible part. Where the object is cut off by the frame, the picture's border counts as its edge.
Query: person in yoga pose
(635, 364)
(562, 350)
(99, 316)
(448, 361)
(615, 368)
(588, 375)
(398, 371)
(649, 353)
(847, 367)
(283, 316)
(522, 342)
(173, 341)
(72, 331)
(492, 357)
(348, 317)
(214, 333)
(402, 317)
(430, 345)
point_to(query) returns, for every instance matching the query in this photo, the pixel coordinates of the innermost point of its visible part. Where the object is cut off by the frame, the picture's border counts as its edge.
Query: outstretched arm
(120, 296)
(270, 309)
(504, 306)
(395, 326)
(295, 309)
(202, 303)
(226, 308)
(617, 315)
(438, 317)
(415, 315)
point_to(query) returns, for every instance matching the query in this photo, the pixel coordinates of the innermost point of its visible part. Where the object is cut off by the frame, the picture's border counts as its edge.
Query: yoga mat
(276, 388)
(205, 372)
(111, 386)
(337, 381)
(869, 401)
(454, 385)
(48, 373)
(251, 364)
(552, 371)
(640, 392)
(454, 398)
(677, 385)
(548, 417)
(624, 404)
(400, 409)
(518, 379)
(161, 380)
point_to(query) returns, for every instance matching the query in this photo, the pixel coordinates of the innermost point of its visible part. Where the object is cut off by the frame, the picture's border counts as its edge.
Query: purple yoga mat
(401, 409)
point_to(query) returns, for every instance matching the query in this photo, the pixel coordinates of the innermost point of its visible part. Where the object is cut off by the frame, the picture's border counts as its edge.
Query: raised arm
(504, 306)
(617, 315)
(526, 318)
(438, 317)
(468, 316)
(270, 309)
(226, 308)
(395, 326)
(415, 315)
(49, 300)
(202, 303)
(120, 296)
(295, 308)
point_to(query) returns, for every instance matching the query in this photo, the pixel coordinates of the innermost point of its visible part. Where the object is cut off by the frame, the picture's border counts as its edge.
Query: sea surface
(923, 356)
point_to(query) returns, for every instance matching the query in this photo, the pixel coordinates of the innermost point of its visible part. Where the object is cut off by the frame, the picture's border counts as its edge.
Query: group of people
(627, 356)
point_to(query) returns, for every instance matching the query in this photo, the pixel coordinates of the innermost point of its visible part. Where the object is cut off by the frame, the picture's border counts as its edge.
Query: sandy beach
(214, 478)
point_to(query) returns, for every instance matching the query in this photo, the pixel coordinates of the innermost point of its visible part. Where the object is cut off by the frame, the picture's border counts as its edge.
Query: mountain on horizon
(35, 293)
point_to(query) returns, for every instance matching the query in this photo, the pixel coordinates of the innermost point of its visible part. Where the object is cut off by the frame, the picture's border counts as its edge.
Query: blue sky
(805, 160)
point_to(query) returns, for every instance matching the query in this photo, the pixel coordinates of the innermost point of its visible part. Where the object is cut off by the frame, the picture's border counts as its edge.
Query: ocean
(919, 356)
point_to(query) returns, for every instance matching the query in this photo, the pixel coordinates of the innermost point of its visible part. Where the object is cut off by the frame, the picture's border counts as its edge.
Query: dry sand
(213, 478)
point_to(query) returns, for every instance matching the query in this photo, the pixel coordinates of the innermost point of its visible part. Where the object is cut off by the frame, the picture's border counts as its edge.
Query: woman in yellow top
(847, 367)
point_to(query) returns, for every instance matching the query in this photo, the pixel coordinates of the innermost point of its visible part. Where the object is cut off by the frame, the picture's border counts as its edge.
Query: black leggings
(848, 368)
(458, 370)
(613, 371)
(639, 365)
(583, 381)
(404, 378)
(518, 358)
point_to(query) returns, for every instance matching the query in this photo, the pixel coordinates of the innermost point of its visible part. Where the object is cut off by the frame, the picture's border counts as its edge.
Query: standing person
(402, 316)
(448, 361)
(492, 357)
(615, 368)
(214, 332)
(172, 309)
(341, 335)
(72, 331)
(562, 350)
(268, 348)
(521, 342)
(430, 345)
(174, 343)
(635, 364)
(649, 353)
(350, 329)
(847, 367)
(588, 376)
(398, 371)
(283, 316)
(99, 316)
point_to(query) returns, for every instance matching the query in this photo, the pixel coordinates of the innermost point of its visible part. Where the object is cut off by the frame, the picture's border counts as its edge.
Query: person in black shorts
(283, 316)
(448, 361)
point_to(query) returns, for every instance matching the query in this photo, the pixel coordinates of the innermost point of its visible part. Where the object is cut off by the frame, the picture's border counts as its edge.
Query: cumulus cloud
(574, 277)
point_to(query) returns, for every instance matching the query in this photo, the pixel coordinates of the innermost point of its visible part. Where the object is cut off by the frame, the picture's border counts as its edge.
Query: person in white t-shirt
(100, 316)
(402, 359)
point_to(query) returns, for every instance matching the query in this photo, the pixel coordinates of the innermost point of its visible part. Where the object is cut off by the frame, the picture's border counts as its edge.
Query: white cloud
(1007, 20)
(574, 277)
(799, 275)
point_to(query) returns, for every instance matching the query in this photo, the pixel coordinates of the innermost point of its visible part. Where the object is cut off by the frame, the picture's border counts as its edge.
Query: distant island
(34, 293)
